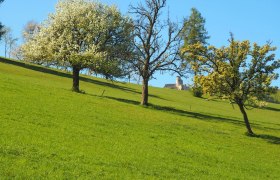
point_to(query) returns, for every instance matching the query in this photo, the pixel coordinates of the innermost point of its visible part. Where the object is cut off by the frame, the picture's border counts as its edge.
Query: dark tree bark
(76, 79)
(107, 76)
(145, 92)
(245, 117)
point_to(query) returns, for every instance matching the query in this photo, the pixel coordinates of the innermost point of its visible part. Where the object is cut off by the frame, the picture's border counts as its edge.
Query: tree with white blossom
(76, 35)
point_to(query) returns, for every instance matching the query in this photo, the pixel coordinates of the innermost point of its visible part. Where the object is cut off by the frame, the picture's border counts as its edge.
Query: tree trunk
(245, 117)
(6, 49)
(194, 83)
(10, 50)
(194, 74)
(76, 72)
(145, 92)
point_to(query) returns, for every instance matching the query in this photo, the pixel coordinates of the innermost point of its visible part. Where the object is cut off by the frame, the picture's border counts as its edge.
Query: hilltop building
(179, 85)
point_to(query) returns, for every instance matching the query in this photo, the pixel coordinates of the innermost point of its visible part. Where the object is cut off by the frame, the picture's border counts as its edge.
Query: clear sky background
(254, 20)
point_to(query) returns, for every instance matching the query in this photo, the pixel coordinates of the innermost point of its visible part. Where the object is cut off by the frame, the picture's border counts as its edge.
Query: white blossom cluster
(74, 35)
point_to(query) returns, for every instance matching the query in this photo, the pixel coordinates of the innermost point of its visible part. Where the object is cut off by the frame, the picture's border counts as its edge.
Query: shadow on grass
(269, 138)
(204, 117)
(63, 74)
(67, 75)
(180, 112)
(123, 100)
(274, 124)
(209, 117)
(271, 109)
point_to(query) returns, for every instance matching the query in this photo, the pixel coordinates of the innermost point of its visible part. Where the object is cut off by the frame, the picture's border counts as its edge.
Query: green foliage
(197, 91)
(275, 97)
(117, 42)
(110, 68)
(194, 29)
(239, 72)
(47, 132)
(193, 32)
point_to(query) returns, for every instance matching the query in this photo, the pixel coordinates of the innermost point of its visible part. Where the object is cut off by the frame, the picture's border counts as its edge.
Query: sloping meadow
(48, 131)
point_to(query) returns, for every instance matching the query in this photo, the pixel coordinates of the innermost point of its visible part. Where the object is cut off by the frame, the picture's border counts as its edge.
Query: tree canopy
(194, 29)
(240, 72)
(79, 34)
(194, 32)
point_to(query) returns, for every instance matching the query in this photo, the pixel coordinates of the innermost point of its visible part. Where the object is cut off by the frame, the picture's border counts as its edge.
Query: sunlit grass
(47, 131)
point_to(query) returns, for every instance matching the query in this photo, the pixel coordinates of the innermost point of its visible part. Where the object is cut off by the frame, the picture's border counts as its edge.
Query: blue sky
(254, 20)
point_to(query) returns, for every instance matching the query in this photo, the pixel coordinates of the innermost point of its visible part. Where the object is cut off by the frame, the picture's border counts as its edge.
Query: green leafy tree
(194, 29)
(110, 68)
(240, 72)
(194, 32)
(76, 35)
(118, 44)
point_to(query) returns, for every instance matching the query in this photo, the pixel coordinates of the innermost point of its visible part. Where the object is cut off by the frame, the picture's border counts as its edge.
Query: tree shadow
(209, 117)
(269, 138)
(203, 117)
(123, 100)
(274, 124)
(64, 74)
(271, 109)
(199, 116)
(67, 75)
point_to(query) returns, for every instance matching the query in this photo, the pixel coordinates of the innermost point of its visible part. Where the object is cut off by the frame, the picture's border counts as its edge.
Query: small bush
(274, 98)
(197, 92)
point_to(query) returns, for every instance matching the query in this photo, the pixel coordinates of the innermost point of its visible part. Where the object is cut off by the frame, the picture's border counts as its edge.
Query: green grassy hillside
(47, 131)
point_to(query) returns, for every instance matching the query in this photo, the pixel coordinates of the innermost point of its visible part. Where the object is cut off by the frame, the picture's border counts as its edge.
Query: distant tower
(179, 83)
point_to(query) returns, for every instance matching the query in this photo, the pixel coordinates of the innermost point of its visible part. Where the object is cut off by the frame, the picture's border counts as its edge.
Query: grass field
(47, 131)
